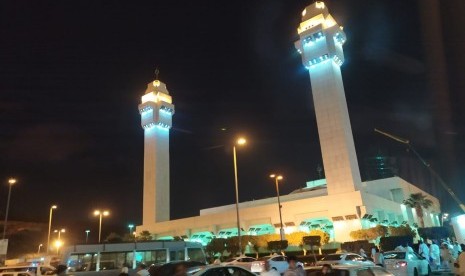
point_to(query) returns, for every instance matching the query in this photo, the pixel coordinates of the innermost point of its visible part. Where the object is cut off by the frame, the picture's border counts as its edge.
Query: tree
(232, 245)
(296, 238)
(216, 246)
(144, 236)
(324, 236)
(370, 233)
(403, 230)
(113, 237)
(418, 201)
(127, 237)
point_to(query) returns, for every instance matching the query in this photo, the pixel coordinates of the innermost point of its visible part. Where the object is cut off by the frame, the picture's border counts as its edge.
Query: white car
(350, 270)
(226, 270)
(277, 262)
(406, 263)
(345, 259)
(242, 261)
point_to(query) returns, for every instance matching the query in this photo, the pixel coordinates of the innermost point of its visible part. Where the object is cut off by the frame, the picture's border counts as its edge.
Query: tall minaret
(320, 46)
(156, 110)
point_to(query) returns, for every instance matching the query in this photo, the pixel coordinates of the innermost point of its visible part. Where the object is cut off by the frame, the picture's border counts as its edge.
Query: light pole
(59, 233)
(58, 244)
(281, 229)
(11, 182)
(130, 226)
(50, 225)
(38, 250)
(444, 217)
(100, 214)
(87, 235)
(240, 142)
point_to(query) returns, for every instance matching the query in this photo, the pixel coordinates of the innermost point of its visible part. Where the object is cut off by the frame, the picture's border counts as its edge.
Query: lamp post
(50, 225)
(130, 226)
(100, 214)
(87, 235)
(11, 182)
(59, 232)
(281, 229)
(444, 217)
(58, 244)
(240, 142)
(38, 250)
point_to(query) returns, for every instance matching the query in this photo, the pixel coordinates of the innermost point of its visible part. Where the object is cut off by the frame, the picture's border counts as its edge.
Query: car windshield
(230, 260)
(263, 258)
(394, 255)
(332, 257)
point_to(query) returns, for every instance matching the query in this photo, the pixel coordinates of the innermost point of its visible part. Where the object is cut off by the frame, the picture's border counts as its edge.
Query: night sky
(72, 74)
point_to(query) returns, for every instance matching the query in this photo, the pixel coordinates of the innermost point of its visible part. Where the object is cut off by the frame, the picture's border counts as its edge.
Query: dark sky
(72, 74)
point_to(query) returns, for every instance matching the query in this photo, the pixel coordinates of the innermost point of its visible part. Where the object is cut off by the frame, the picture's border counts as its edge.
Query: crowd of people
(444, 254)
(441, 255)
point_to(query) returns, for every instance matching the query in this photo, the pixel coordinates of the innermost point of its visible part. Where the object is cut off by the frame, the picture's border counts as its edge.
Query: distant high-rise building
(320, 46)
(156, 111)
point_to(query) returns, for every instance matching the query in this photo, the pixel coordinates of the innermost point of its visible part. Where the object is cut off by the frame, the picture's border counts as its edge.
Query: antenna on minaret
(156, 73)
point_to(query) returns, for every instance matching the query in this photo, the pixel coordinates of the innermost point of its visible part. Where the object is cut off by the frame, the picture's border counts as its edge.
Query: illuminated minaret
(156, 110)
(320, 46)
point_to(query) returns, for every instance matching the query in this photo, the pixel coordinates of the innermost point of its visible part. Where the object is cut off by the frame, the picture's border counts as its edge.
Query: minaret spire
(320, 45)
(156, 73)
(156, 111)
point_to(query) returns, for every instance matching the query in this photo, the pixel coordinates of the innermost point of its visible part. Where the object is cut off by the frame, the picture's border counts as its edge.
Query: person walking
(447, 258)
(435, 255)
(423, 250)
(269, 271)
(460, 264)
(294, 269)
(326, 269)
(124, 271)
(378, 258)
(142, 270)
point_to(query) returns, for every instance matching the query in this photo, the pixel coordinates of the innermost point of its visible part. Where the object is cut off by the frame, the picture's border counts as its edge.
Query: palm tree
(419, 202)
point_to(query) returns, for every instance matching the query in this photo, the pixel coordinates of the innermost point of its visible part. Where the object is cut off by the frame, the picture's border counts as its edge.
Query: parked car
(309, 260)
(223, 270)
(277, 262)
(350, 270)
(243, 261)
(345, 259)
(406, 263)
(169, 269)
(38, 270)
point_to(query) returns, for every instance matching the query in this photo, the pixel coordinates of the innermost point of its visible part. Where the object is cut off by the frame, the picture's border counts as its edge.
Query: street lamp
(100, 214)
(50, 225)
(58, 244)
(130, 226)
(277, 178)
(87, 235)
(241, 141)
(59, 232)
(443, 218)
(38, 250)
(11, 182)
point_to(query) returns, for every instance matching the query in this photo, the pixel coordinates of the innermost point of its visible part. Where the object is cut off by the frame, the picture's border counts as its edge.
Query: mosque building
(338, 204)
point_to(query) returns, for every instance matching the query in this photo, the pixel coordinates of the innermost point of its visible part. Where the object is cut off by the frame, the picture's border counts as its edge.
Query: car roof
(342, 266)
(216, 265)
